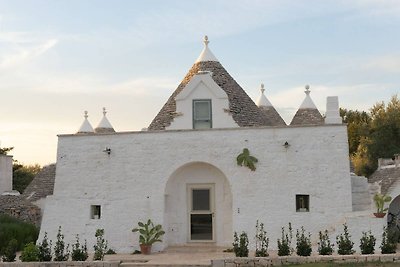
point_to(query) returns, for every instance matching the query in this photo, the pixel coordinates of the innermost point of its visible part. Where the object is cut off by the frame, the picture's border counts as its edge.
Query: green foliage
(380, 200)
(358, 125)
(285, 244)
(324, 245)
(261, 241)
(344, 243)
(367, 243)
(240, 245)
(100, 247)
(303, 243)
(45, 249)
(149, 233)
(79, 252)
(30, 253)
(23, 175)
(389, 243)
(10, 252)
(244, 159)
(61, 252)
(5, 150)
(12, 228)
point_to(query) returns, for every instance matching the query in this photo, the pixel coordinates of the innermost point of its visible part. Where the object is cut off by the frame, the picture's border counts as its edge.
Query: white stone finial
(205, 40)
(85, 114)
(307, 91)
(262, 88)
(104, 111)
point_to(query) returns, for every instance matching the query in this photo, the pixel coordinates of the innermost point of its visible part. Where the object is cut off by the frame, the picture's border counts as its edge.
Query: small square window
(302, 203)
(95, 212)
(202, 114)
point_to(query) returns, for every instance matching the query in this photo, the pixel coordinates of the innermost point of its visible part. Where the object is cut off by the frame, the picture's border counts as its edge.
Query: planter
(145, 249)
(380, 215)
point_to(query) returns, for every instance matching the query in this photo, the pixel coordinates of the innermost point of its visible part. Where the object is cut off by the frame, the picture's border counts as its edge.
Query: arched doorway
(198, 205)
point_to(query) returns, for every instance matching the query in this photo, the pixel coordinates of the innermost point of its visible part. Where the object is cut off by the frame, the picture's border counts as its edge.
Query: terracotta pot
(145, 249)
(380, 215)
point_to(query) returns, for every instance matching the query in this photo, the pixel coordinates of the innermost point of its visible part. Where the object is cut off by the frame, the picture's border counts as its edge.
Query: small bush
(100, 247)
(240, 245)
(367, 243)
(389, 244)
(30, 253)
(303, 243)
(285, 244)
(61, 253)
(324, 245)
(10, 252)
(261, 241)
(79, 252)
(344, 243)
(110, 251)
(45, 249)
(12, 228)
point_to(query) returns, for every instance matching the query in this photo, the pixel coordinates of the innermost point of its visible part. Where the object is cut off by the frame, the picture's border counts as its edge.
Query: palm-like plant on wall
(380, 201)
(245, 159)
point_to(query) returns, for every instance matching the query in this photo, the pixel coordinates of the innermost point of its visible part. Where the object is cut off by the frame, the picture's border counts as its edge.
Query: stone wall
(5, 173)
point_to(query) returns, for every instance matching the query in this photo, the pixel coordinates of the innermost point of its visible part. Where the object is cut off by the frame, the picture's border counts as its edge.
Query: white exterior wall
(5, 173)
(131, 182)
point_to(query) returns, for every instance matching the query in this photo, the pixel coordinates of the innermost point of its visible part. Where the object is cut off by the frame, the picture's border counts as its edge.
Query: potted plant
(149, 234)
(380, 200)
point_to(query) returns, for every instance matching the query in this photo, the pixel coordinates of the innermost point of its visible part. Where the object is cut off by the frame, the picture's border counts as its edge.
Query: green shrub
(285, 244)
(344, 243)
(12, 228)
(240, 245)
(324, 245)
(261, 241)
(389, 244)
(100, 247)
(367, 243)
(30, 253)
(79, 252)
(10, 252)
(61, 252)
(303, 243)
(110, 251)
(45, 249)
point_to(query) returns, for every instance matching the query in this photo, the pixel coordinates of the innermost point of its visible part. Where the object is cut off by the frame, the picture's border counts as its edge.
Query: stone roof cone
(244, 111)
(86, 127)
(307, 114)
(269, 111)
(104, 125)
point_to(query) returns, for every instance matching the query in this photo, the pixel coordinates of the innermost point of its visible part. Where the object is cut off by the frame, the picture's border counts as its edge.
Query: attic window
(202, 114)
(95, 211)
(302, 203)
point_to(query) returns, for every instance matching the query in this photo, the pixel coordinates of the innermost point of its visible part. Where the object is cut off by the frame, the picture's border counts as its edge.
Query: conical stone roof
(244, 111)
(86, 127)
(307, 114)
(104, 125)
(268, 109)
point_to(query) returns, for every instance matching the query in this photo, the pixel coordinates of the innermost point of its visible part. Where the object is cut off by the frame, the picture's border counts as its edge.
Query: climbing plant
(244, 159)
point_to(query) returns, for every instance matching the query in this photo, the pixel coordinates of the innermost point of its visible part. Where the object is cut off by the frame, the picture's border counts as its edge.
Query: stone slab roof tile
(385, 178)
(307, 116)
(272, 115)
(42, 185)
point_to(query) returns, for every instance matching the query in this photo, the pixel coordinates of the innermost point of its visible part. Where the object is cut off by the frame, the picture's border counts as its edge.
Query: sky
(59, 58)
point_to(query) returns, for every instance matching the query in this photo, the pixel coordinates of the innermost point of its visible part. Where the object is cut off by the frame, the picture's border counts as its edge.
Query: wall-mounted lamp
(107, 150)
(286, 145)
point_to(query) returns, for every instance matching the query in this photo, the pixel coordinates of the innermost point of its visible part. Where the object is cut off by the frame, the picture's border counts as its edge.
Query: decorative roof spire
(206, 54)
(104, 125)
(307, 91)
(263, 101)
(307, 102)
(86, 127)
(307, 114)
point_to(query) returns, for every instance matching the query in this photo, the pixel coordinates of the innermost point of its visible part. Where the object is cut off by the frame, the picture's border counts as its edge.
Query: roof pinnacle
(85, 114)
(205, 40)
(307, 91)
(104, 111)
(262, 88)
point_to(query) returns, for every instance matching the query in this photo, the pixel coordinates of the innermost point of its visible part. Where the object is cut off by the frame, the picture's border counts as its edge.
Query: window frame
(95, 210)
(194, 120)
(306, 206)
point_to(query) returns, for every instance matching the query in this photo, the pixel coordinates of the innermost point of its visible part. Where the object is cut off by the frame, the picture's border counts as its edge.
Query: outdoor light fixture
(107, 150)
(286, 145)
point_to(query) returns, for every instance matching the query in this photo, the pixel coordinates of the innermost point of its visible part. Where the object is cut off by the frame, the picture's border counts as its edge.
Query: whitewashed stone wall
(131, 183)
(5, 173)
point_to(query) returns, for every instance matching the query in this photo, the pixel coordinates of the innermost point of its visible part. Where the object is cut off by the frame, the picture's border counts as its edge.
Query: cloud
(387, 63)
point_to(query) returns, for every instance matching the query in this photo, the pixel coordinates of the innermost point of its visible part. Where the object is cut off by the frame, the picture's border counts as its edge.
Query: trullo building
(182, 171)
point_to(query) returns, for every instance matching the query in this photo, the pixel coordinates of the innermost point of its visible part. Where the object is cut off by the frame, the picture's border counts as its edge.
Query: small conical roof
(244, 111)
(86, 127)
(104, 125)
(206, 54)
(268, 110)
(307, 114)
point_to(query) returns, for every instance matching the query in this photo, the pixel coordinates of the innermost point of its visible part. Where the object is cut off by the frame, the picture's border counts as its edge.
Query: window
(302, 203)
(202, 114)
(95, 211)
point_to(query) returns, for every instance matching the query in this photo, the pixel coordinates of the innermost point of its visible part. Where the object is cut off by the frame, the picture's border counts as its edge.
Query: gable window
(202, 114)
(302, 203)
(95, 211)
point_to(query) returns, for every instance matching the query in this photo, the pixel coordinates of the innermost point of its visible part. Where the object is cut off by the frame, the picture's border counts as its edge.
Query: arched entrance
(198, 205)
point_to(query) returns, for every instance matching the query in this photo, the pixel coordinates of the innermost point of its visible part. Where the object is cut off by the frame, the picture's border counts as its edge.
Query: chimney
(332, 115)
(5, 173)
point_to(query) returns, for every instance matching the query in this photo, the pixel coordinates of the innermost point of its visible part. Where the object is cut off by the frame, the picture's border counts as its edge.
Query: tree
(358, 127)
(5, 150)
(23, 175)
